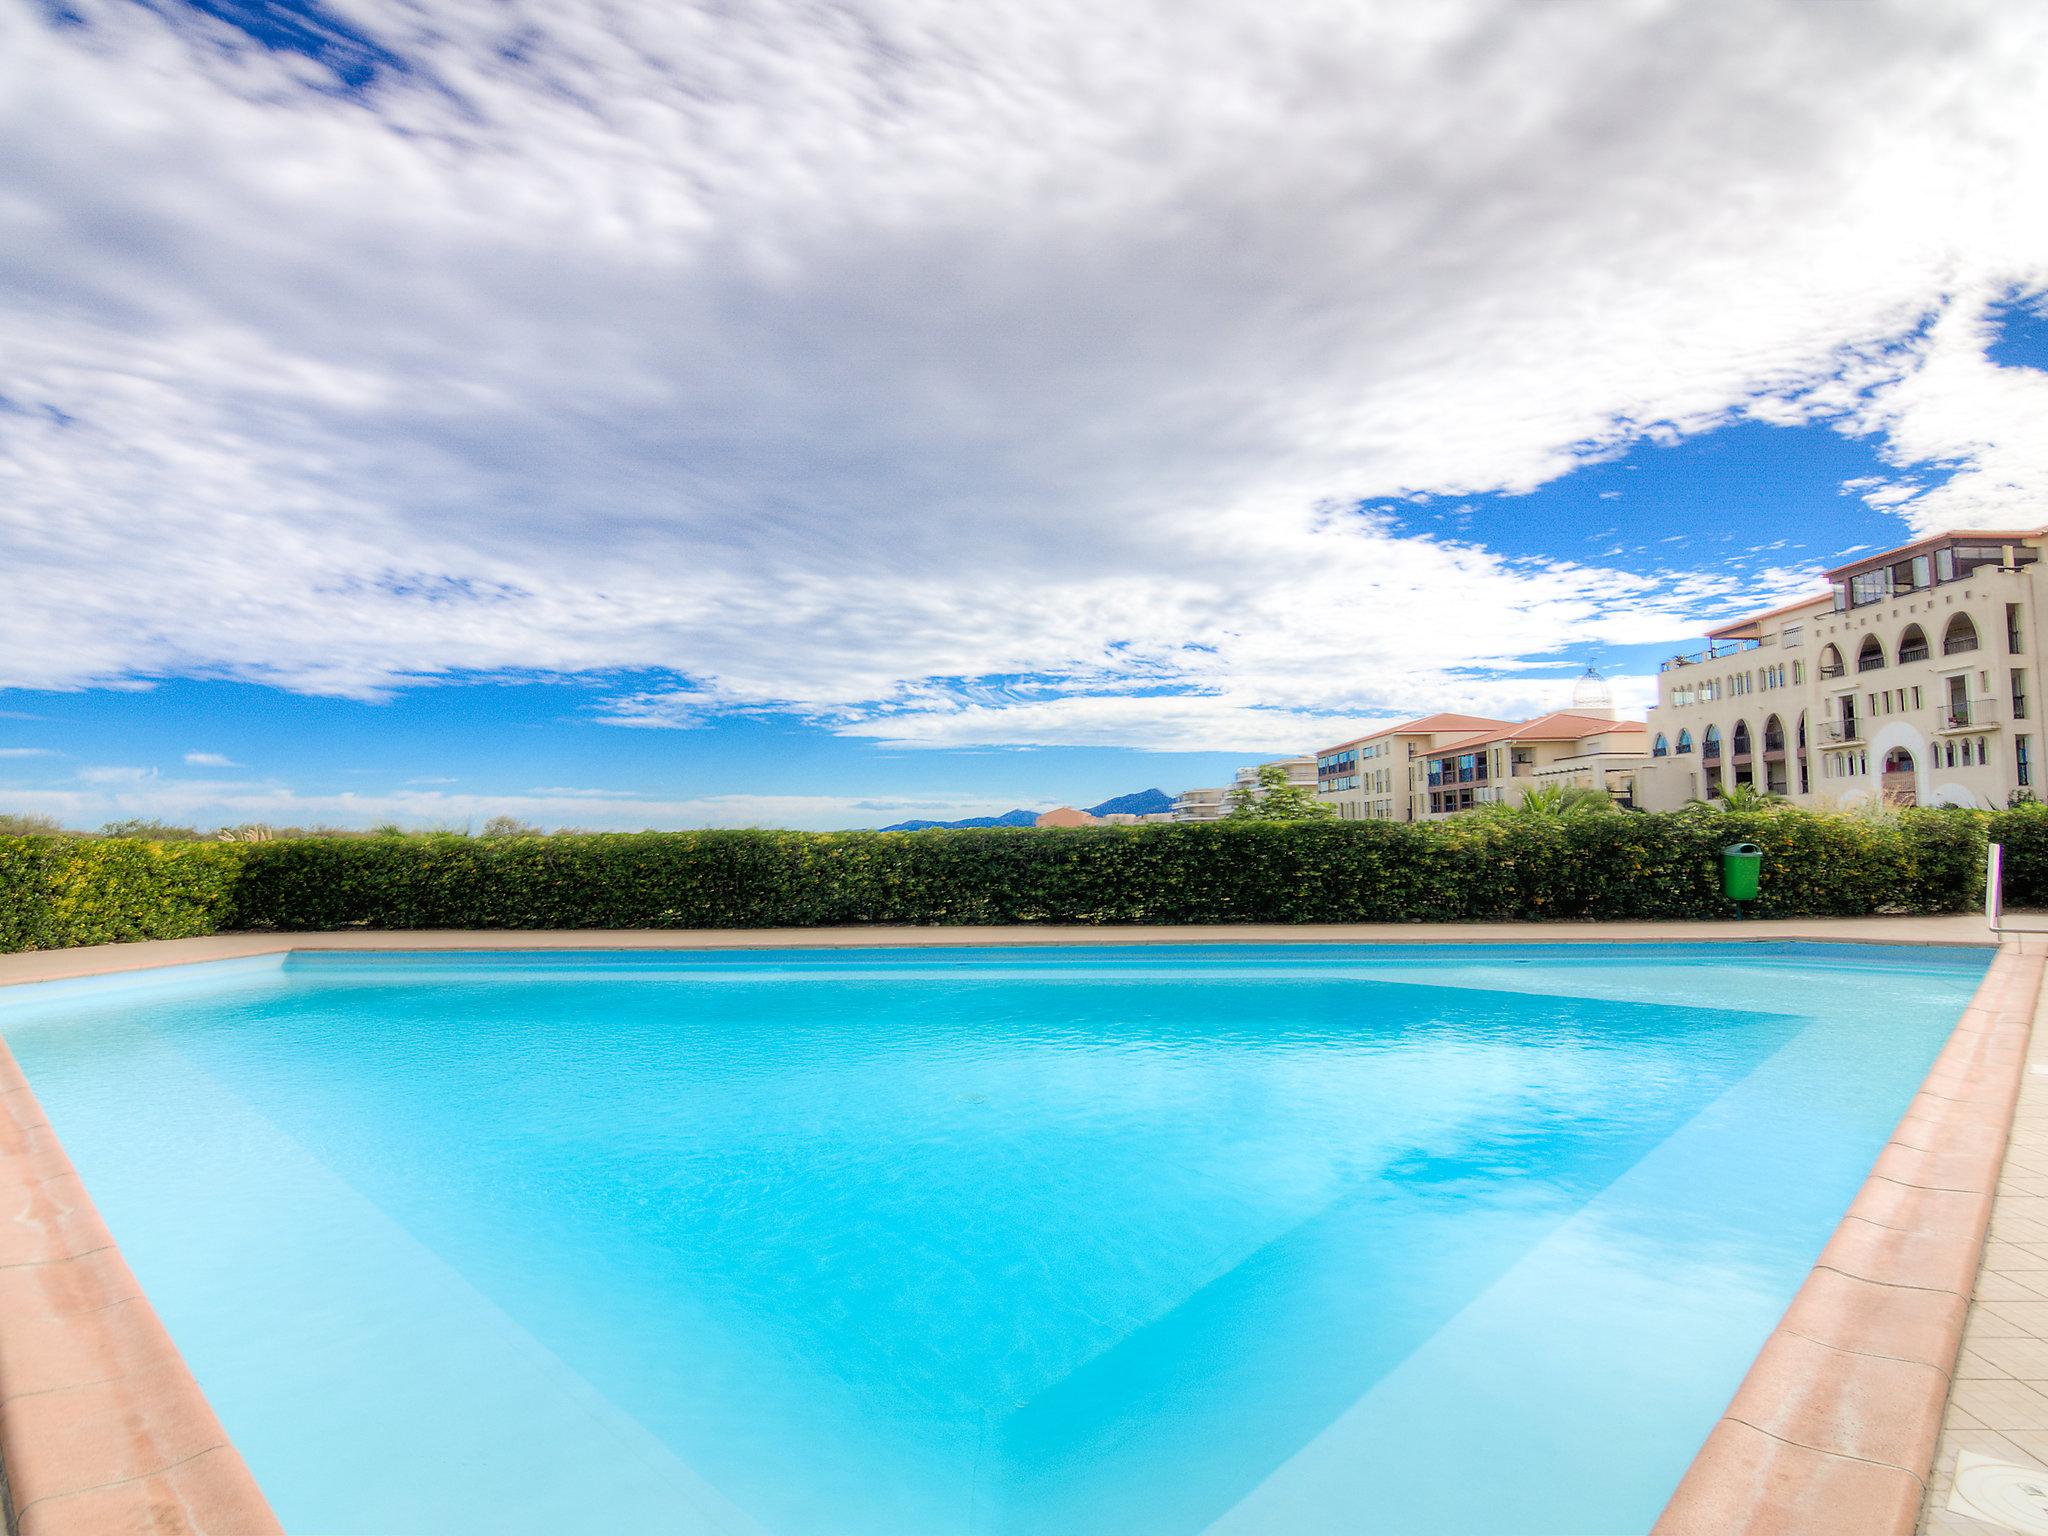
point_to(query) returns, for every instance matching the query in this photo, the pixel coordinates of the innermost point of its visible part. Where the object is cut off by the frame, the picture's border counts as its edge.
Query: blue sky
(673, 416)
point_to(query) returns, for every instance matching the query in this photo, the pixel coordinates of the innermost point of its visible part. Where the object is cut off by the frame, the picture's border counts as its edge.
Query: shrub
(61, 891)
(2024, 831)
(56, 891)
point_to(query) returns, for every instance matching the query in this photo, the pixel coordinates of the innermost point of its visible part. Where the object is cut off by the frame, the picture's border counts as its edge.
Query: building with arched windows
(1907, 682)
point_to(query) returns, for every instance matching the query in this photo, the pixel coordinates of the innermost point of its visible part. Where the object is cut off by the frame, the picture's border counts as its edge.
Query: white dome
(1592, 696)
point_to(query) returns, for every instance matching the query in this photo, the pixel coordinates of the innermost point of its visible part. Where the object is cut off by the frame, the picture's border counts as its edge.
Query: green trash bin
(1740, 864)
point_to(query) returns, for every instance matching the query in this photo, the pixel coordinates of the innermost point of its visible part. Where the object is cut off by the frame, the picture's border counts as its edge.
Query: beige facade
(1501, 766)
(1909, 681)
(1374, 778)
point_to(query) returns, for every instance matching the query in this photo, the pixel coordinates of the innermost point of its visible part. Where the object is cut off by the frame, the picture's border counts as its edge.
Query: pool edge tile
(1834, 1430)
(102, 1426)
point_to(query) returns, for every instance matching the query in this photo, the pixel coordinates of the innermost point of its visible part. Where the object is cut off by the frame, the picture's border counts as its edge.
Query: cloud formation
(975, 374)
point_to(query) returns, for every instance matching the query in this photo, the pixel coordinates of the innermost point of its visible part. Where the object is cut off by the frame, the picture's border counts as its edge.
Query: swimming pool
(1147, 1240)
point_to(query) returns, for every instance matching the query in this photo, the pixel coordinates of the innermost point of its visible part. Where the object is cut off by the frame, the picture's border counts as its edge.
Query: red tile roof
(1559, 725)
(1428, 725)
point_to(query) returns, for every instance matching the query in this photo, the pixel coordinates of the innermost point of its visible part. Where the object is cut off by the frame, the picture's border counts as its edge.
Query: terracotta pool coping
(103, 1428)
(1833, 1431)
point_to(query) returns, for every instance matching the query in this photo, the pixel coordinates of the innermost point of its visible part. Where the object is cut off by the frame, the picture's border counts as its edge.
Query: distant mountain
(1007, 819)
(1145, 802)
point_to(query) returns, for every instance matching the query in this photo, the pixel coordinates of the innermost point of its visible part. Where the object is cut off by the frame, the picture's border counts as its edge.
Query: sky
(620, 415)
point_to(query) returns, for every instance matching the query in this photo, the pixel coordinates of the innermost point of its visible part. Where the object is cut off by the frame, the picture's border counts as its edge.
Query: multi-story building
(1584, 746)
(1372, 778)
(1214, 804)
(1907, 681)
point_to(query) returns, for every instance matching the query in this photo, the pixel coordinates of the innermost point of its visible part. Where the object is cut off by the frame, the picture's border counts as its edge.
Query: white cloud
(862, 362)
(26, 752)
(208, 760)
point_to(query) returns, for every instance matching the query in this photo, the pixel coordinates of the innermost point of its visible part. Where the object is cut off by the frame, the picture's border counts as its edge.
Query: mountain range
(1143, 802)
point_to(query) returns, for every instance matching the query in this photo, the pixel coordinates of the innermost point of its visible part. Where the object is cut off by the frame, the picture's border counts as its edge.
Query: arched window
(1912, 644)
(1960, 636)
(1710, 744)
(1660, 747)
(1741, 745)
(1774, 734)
(1830, 661)
(1871, 657)
(1685, 743)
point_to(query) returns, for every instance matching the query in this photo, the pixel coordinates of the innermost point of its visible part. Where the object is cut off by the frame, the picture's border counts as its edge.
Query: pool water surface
(1155, 1241)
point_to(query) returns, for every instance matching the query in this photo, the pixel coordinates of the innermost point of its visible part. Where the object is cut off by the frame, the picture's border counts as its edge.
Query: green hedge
(57, 891)
(2024, 832)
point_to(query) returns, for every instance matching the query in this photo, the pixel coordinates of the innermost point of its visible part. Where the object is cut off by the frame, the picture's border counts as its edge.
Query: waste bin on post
(1740, 864)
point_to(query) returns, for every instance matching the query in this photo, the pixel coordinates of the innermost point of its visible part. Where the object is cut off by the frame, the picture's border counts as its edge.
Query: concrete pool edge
(102, 1426)
(1833, 1431)
(1950, 930)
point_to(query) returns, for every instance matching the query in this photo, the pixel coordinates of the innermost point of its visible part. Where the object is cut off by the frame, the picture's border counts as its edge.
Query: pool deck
(106, 959)
(1911, 1328)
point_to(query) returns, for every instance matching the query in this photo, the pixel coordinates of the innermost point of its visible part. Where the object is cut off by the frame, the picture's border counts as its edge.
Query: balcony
(1835, 669)
(1977, 715)
(1833, 735)
(1714, 652)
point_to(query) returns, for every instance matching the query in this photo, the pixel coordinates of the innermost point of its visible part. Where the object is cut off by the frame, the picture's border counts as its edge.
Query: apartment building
(1214, 804)
(1373, 778)
(1908, 681)
(1567, 747)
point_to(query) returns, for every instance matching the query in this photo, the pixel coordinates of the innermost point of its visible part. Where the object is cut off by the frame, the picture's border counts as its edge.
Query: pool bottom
(1589, 1282)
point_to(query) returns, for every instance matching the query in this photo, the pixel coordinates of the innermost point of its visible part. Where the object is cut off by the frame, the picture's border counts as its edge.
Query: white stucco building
(1909, 681)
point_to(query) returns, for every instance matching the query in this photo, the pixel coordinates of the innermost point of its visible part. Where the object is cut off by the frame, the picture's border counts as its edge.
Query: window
(1792, 635)
(1831, 661)
(1913, 644)
(1871, 656)
(1710, 744)
(1960, 636)
(2012, 628)
(1685, 743)
(2023, 759)
(1660, 747)
(1798, 673)
(2019, 694)
(1916, 698)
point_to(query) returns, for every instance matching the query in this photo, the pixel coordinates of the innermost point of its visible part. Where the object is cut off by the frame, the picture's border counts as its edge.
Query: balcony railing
(1832, 669)
(1834, 735)
(1977, 715)
(1715, 652)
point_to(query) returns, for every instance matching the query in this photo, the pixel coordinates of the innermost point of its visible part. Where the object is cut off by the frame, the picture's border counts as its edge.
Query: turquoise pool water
(1283, 1240)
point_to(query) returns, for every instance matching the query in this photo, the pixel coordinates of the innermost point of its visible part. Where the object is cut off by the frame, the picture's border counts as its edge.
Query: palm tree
(1744, 797)
(1555, 802)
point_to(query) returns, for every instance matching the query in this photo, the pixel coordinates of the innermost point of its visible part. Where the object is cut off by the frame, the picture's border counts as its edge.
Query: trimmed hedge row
(2024, 832)
(59, 891)
(56, 892)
